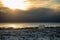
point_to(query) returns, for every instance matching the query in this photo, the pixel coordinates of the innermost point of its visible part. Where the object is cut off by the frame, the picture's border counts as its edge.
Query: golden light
(14, 26)
(16, 4)
(10, 25)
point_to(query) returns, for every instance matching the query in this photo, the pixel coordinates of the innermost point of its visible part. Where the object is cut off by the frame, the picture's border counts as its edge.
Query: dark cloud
(42, 15)
(32, 15)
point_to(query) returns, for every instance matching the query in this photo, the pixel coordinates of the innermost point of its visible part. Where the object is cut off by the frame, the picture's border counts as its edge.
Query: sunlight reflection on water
(18, 25)
(23, 25)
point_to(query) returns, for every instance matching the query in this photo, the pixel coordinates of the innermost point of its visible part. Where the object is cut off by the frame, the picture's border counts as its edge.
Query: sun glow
(14, 26)
(16, 4)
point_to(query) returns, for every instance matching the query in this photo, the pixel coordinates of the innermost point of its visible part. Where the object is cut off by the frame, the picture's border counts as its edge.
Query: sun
(16, 4)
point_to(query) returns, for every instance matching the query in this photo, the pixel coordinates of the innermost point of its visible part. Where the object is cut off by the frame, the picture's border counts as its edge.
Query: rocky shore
(47, 33)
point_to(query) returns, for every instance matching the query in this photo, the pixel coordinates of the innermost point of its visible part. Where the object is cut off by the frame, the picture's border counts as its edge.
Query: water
(46, 33)
(23, 25)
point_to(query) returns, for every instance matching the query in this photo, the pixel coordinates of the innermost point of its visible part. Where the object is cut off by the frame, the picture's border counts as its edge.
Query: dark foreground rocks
(48, 33)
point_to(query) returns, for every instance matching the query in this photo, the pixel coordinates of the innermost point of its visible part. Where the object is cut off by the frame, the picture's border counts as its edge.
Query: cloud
(44, 3)
(32, 15)
(57, 1)
(40, 15)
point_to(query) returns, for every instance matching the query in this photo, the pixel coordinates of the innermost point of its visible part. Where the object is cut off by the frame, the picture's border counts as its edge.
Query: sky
(42, 11)
(45, 3)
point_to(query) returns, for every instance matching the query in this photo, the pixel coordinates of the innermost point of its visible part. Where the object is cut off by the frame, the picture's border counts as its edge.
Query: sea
(23, 25)
(46, 31)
